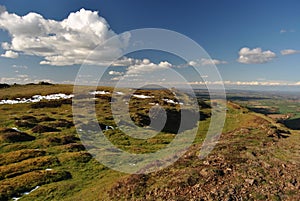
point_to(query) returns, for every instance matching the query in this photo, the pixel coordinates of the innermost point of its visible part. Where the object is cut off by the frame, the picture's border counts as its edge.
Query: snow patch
(142, 96)
(99, 92)
(172, 101)
(26, 193)
(16, 129)
(36, 98)
(119, 93)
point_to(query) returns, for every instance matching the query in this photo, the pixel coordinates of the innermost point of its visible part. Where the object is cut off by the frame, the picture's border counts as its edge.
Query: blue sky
(251, 42)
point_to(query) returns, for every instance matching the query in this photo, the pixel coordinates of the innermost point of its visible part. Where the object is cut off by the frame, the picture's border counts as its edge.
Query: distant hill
(4, 86)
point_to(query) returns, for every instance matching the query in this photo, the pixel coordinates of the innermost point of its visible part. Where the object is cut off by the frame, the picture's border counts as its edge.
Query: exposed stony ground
(259, 160)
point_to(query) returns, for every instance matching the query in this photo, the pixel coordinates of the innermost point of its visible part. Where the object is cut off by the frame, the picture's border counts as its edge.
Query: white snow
(99, 93)
(36, 98)
(119, 93)
(172, 101)
(153, 104)
(109, 127)
(26, 193)
(16, 129)
(142, 96)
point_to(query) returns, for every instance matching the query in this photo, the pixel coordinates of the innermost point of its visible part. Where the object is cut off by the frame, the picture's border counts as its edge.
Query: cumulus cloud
(65, 42)
(282, 31)
(207, 62)
(289, 51)
(116, 73)
(165, 64)
(19, 66)
(2, 9)
(147, 67)
(23, 79)
(255, 56)
(10, 54)
(117, 78)
(125, 61)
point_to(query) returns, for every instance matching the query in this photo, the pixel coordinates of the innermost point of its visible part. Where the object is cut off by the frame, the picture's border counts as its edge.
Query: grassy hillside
(256, 158)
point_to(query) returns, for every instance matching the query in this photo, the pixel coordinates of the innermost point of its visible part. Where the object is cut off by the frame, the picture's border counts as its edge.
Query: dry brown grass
(27, 91)
(17, 156)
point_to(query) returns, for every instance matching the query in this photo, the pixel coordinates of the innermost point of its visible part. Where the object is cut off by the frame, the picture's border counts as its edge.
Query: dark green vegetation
(257, 157)
(282, 107)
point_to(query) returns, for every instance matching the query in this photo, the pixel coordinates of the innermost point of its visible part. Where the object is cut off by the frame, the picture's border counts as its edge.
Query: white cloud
(165, 64)
(10, 54)
(139, 69)
(23, 76)
(206, 62)
(22, 79)
(125, 61)
(2, 9)
(115, 73)
(192, 63)
(19, 66)
(147, 67)
(65, 42)
(255, 56)
(282, 31)
(117, 78)
(289, 51)
(247, 83)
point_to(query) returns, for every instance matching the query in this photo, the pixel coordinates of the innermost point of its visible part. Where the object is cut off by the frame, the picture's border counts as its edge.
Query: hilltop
(256, 158)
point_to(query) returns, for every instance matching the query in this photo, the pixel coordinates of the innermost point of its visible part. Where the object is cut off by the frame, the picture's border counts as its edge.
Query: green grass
(52, 150)
(76, 175)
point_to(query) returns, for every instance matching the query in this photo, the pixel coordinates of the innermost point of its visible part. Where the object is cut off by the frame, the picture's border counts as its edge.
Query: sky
(252, 43)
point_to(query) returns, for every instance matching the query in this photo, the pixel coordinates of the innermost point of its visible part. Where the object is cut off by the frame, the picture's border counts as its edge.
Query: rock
(250, 181)
(266, 165)
(228, 170)
(294, 182)
(204, 172)
(205, 162)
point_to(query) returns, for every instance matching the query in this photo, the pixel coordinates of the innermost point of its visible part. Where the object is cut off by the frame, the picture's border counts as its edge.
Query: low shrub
(29, 118)
(46, 118)
(11, 136)
(63, 123)
(63, 140)
(25, 124)
(51, 103)
(43, 129)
